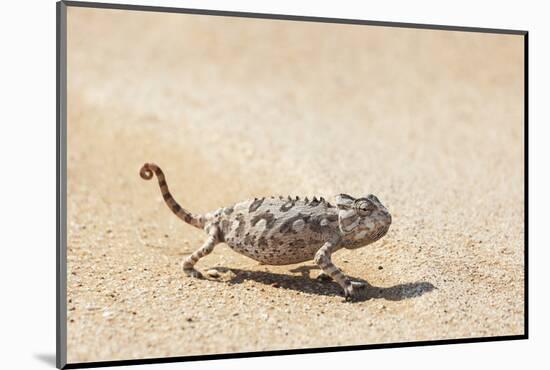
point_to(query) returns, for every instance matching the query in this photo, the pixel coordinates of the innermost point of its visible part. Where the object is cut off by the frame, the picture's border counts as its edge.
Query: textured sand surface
(429, 121)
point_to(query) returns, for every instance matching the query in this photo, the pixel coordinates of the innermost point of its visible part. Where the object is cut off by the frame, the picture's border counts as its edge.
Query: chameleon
(280, 230)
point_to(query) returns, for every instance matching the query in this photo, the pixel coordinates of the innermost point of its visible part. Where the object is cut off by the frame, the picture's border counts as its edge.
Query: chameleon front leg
(188, 264)
(322, 259)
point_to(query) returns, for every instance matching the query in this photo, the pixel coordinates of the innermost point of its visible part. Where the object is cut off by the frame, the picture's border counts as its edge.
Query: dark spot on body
(228, 210)
(332, 218)
(249, 239)
(255, 205)
(268, 217)
(287, 225)
(288, 205)
(315, 223)
(262, 242)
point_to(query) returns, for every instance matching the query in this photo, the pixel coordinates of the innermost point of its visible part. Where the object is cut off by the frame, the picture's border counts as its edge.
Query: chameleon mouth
(380, 233)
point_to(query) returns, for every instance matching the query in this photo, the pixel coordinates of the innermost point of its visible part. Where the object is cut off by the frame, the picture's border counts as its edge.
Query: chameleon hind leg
(188, 264)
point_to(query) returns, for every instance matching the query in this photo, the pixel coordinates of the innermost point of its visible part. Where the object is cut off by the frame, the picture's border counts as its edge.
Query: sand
(429, 121)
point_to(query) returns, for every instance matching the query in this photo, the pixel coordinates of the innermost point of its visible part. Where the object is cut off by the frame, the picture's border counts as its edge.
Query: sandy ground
(429, 121)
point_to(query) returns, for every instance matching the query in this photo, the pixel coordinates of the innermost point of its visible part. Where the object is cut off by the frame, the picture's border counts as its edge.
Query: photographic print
(250, 185)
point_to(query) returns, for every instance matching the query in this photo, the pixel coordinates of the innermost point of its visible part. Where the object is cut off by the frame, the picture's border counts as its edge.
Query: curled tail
(146, 173)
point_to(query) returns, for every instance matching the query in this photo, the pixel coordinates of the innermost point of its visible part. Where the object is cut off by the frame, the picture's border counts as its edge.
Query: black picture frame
(61, 185)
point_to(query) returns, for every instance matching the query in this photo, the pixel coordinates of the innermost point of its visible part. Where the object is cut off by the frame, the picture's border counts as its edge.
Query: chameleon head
(362, 220)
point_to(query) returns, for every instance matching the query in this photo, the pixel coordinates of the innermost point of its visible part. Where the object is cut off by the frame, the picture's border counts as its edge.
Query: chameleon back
(276, 230)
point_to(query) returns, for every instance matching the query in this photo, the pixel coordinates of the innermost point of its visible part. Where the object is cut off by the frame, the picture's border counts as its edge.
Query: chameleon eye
(364, 206)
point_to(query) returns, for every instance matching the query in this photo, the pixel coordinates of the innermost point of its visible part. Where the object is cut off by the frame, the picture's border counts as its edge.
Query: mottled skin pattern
(282, 231)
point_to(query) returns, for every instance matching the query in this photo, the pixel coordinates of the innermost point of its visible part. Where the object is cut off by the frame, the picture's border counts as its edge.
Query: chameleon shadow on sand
(305, 284)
